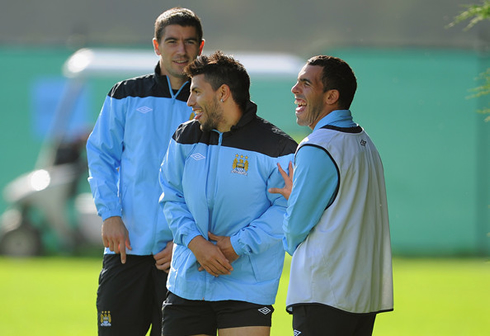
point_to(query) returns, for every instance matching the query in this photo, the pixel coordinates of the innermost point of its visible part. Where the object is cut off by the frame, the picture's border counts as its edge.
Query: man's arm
(265, 231)
(180, 219)
(315, 184)
(104, 151)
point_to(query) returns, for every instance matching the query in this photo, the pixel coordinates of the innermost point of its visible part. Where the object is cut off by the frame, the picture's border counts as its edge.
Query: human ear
(224, 92)
(201, 47)
(156, 46)
(332, 96)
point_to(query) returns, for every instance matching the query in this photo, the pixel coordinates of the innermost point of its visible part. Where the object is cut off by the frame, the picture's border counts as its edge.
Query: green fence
(413, 103)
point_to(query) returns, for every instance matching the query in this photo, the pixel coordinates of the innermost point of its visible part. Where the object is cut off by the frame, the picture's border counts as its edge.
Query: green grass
(56, 296)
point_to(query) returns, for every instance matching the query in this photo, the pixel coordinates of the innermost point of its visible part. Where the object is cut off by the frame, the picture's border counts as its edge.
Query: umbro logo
(198, 156)
(264, 310)
(144, 109)
(363, 142)
(296, 332)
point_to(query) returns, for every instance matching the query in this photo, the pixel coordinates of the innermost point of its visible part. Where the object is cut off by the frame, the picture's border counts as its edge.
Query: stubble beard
(214, 116)
(312, 117)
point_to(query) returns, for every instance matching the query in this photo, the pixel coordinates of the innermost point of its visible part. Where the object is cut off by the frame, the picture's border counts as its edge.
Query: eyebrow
(176, 38)
(304, 80)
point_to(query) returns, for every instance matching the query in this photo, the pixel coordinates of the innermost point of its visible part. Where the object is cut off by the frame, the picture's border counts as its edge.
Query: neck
(175, 82)
(232, 114)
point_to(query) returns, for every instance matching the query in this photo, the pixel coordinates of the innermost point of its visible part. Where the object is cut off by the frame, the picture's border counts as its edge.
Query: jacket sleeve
(266, 231)
(104, 149)
(175, 209)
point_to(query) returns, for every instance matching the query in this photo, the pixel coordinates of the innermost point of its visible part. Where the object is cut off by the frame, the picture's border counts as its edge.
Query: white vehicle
(39, 200)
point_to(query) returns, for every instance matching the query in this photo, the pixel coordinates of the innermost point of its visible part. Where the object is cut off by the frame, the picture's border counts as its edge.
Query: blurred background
(415, 78)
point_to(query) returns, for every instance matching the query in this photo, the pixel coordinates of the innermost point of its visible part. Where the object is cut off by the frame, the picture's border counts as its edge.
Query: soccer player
(228, 253)
(336, 226)
(124, 153)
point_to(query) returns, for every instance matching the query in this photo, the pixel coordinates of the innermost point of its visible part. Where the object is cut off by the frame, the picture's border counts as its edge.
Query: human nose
(294, 89)
(190, 101)
(181, 49)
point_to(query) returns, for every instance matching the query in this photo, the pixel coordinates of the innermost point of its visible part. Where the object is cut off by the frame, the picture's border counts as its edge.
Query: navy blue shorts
(322, 320)
(130, 296)
(191, 317)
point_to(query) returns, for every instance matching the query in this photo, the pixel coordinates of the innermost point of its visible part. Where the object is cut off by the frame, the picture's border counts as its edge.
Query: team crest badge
(105, 318)
(240, 165)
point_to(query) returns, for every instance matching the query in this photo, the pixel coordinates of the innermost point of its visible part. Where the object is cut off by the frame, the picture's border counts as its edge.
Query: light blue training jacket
(218, 182)
(125, 151)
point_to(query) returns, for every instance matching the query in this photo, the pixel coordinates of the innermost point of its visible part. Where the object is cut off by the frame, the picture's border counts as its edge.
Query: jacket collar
(163, 81)
(249, 114)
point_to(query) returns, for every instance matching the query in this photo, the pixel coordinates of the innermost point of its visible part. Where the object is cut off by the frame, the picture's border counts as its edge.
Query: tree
(477, 13)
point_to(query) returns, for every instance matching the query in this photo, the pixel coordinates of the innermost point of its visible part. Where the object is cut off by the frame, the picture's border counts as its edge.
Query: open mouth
(197, 114)
(300, 105)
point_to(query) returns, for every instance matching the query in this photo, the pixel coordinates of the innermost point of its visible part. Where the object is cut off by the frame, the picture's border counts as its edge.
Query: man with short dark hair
(228, 253)
(336, 226)
(124, 153)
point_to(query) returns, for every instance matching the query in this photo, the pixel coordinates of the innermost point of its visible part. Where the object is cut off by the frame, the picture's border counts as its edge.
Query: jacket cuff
(110, 213)
(237, 246)
(189, 238)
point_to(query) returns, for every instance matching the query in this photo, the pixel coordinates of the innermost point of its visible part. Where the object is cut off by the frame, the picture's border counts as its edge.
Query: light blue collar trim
(340, 118)
(174, 96)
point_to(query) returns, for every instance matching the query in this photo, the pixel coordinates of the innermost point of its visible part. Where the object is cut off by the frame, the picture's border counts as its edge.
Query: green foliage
(477, 13)
(483, 90)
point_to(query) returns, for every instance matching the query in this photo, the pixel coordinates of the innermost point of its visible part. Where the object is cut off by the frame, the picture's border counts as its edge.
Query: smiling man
(228, 253)
(124, 154)
(336, 226)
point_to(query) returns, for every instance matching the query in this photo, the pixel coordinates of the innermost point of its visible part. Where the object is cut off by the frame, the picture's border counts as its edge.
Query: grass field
(56, 296)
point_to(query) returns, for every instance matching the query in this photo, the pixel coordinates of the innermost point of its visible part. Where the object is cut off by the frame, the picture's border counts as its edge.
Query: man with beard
(228, 254)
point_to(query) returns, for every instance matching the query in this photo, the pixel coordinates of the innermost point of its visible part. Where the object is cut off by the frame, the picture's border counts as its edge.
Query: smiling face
(178, 47)
(204, 102)
(309, 96)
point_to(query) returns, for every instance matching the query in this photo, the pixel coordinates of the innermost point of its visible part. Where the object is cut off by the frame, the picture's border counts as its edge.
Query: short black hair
(338, 75)
(177, 16)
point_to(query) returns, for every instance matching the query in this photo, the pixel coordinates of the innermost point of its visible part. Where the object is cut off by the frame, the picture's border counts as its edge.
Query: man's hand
(224, 244)
(210, 257)
(288, 182)
(164, 257)
(115, 236)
